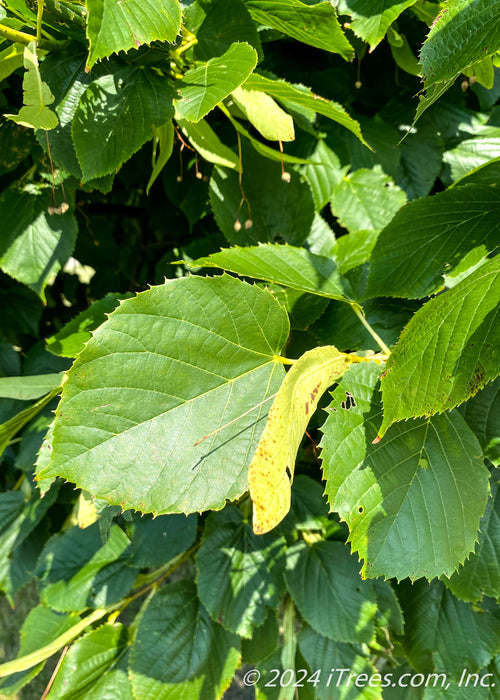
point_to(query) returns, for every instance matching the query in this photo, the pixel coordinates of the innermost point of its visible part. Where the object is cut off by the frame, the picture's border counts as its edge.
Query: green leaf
(371, 18)
(179, 651)
(323, 580)
(156, 541)
(36, 96)
(141, 407)
(430, 237)
(472, 153)
(272, 122)
(76, 570)
(314, 24)
(427, 476)
(11, 59)
(366, 200)
(283, 264)
(465, 32)
(274, 208)
(41, 627)
(202, 88)
(31, 387)
(324, 175)
(130, 101)
(270, 474)
(163, 146)
(14, 425)
(86, 668)
(305, 98)
(34, 243)
(114, 27)
(447, 352)
(480, 574)
(71, 339)
(441, 629)
(239, 573)
(204, 139)
(337, 660)
(486, 174)
(482, 414)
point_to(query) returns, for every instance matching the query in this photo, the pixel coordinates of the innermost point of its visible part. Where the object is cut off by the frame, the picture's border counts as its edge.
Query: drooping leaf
(465, 32)
(283, 264)
(448, 351)
(202, 88)
(441, 629)
(144, 407)
(14, 424)
(431, 236)
(207, 143)
(273, 209)
(270, 474)
(305, 98)
(71, 339)
(163, 145)
(480, 574)
(264, 114)
(41, 627)
(114, 27)
(34, 243)
(324, 582)
(89, 666)
(314, 24)
(130, 101)
(76, 570)
(425, 476)
(35, 114)
(179, 651)
(31, 387)
(372, 18)
(366, 200)
(239, 574)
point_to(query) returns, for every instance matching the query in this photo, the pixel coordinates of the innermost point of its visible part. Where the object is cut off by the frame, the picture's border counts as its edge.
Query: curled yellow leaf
(271, 471)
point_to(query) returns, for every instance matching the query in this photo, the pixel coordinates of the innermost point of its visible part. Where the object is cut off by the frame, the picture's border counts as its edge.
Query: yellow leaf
(265, 114)
(271, 471)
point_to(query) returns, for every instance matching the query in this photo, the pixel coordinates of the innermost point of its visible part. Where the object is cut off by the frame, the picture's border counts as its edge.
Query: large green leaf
(445, 632)
(217, 24)
(448, 351)
(179, 652)
(118, 26)
(480, 574)
(202, 88)
(188, 359)
(465, 32)
(34, 243)
(273, 209)
(372, 18)
(315, 24)
(116, 115)
(412, 503)
(366, 200)
(324, 581)
(76, 570)
(304, 98)
(430, 237)
(239, 573)
(88, 669)
(283, 264)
